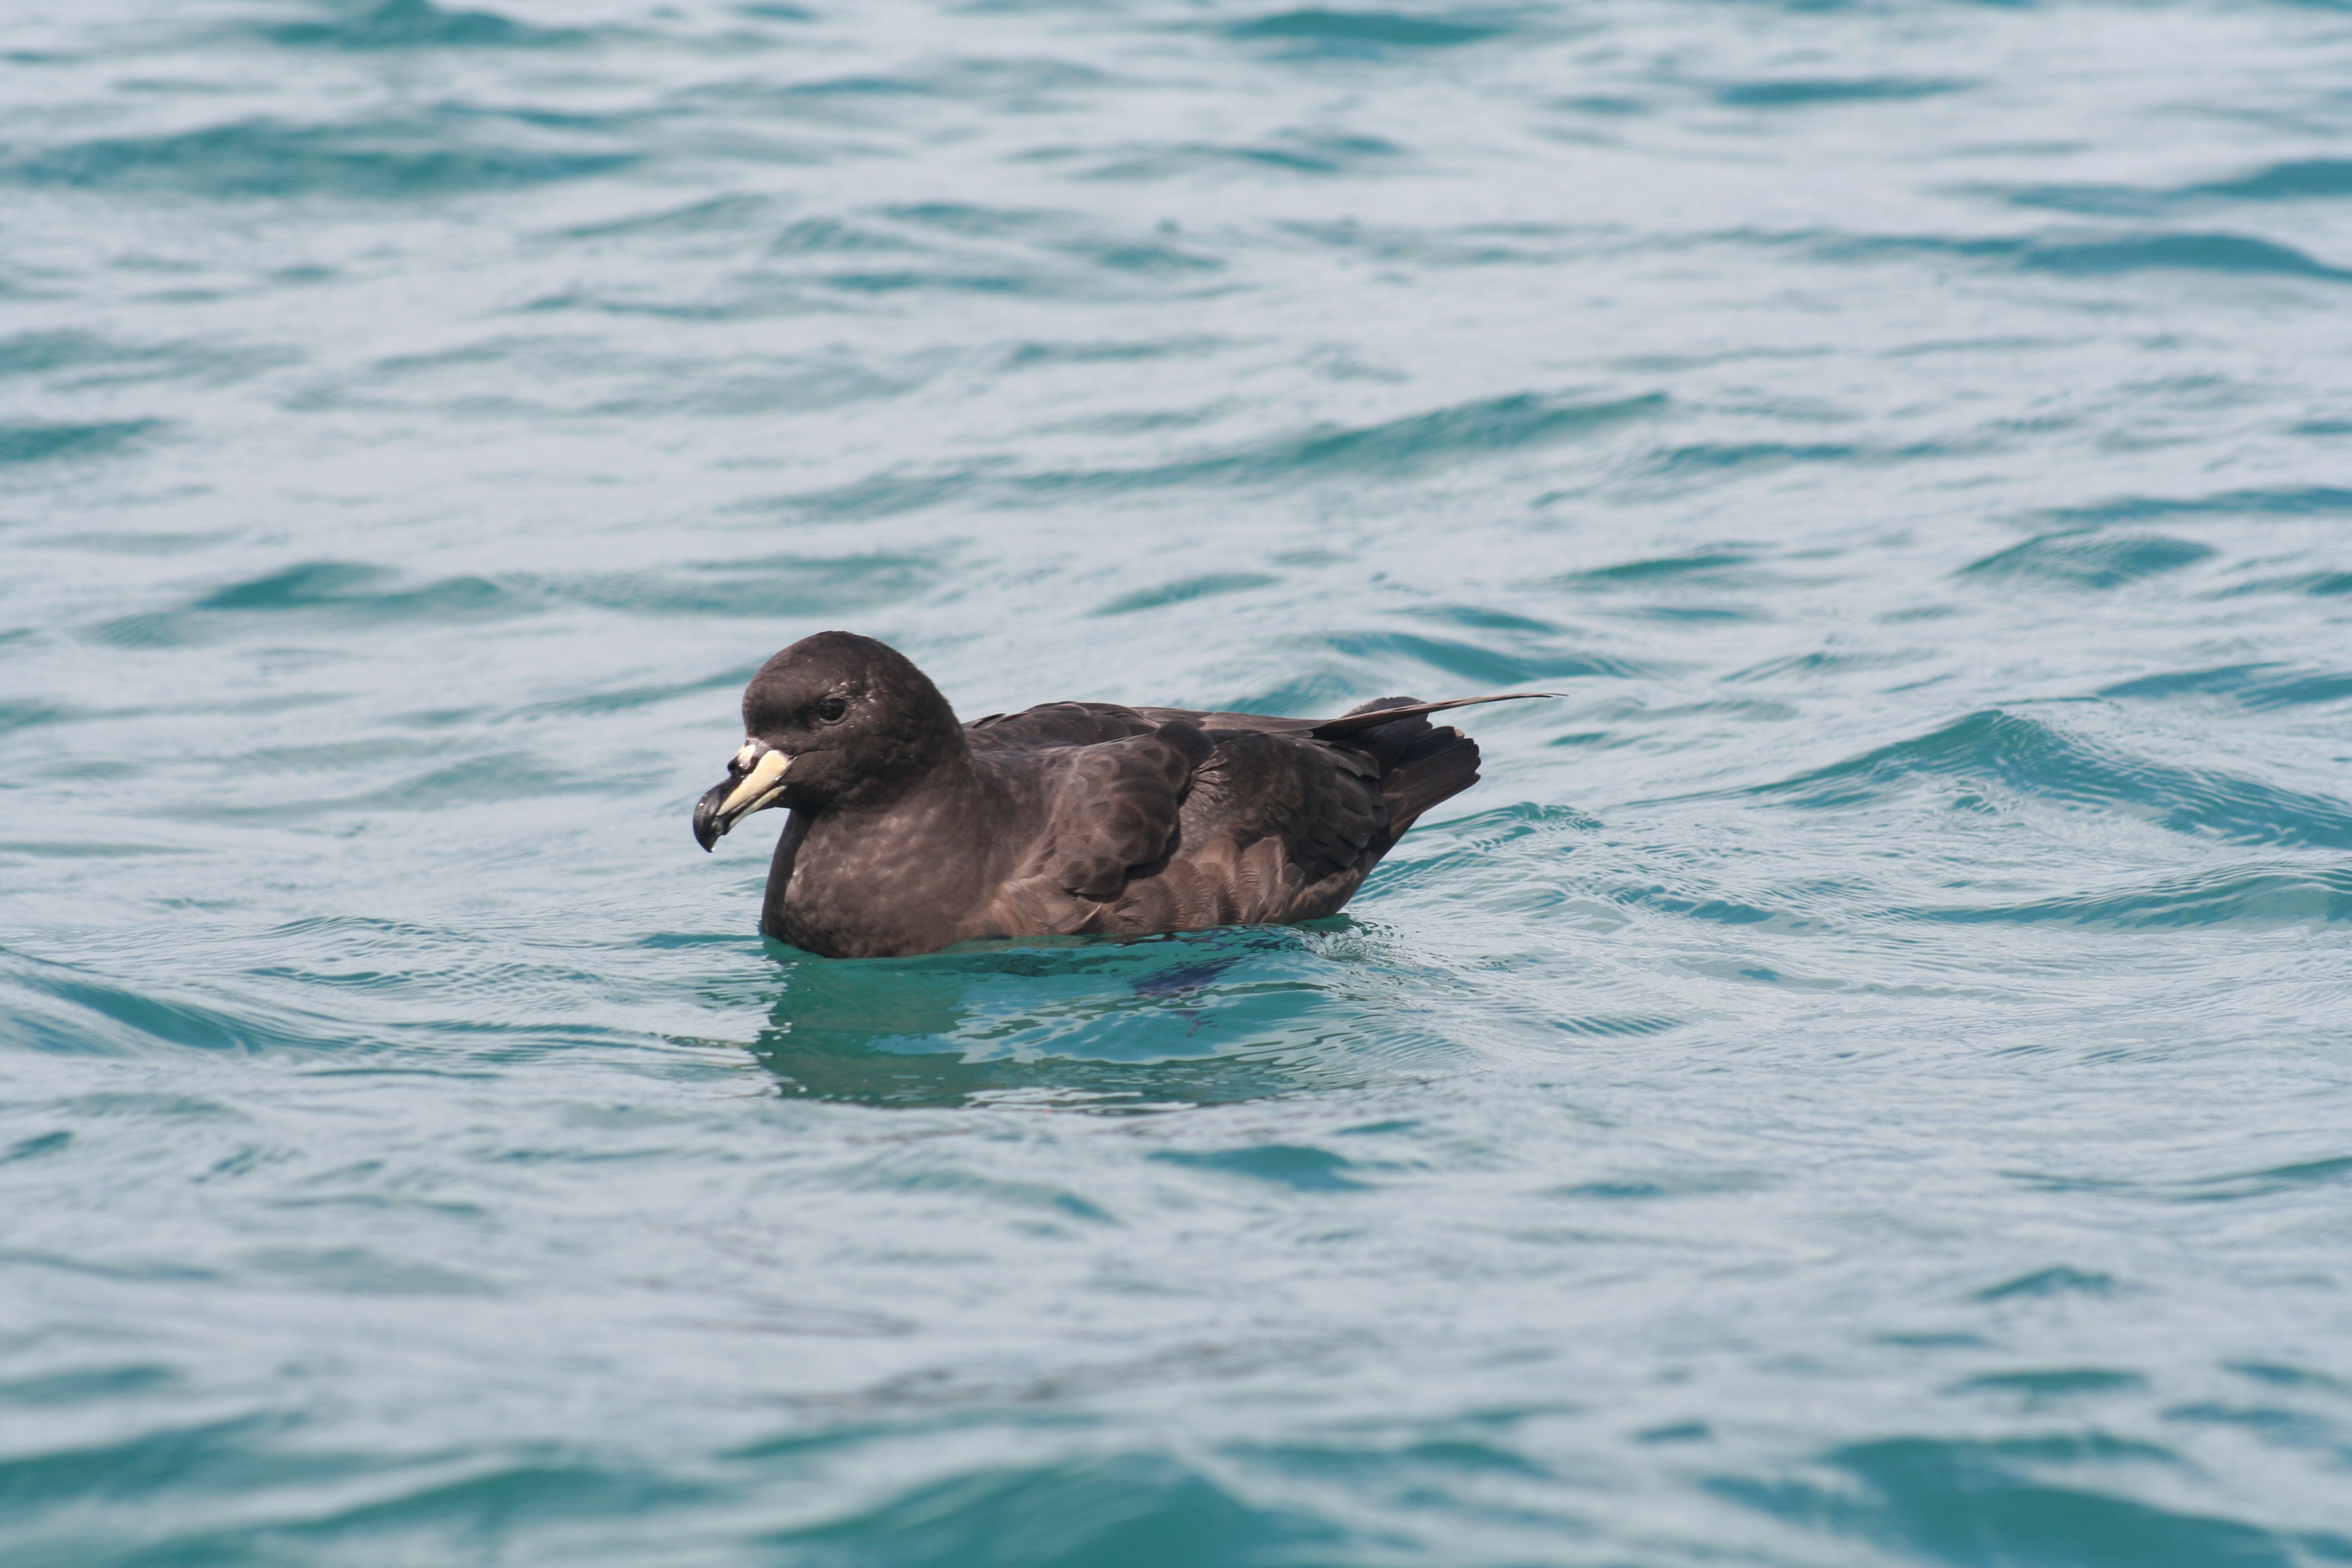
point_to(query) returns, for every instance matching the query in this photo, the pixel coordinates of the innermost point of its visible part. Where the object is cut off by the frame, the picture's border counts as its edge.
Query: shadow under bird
(910, 831)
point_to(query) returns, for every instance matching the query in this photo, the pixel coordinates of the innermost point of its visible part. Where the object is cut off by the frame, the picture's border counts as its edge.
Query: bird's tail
(1384, 710)
(1420, 764)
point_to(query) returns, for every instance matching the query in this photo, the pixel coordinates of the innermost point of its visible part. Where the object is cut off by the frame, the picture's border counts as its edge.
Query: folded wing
(1163, 818)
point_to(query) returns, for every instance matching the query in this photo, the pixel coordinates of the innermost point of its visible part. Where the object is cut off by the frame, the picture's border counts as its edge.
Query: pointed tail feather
(1368, 718)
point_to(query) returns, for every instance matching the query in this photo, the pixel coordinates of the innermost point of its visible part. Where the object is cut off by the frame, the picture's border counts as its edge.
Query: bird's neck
(868, 879)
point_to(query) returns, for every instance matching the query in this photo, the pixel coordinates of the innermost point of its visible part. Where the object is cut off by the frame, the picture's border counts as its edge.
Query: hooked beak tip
(738, 796)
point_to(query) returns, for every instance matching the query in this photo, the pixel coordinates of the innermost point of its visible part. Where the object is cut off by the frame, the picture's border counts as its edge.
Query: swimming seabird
(910, 831)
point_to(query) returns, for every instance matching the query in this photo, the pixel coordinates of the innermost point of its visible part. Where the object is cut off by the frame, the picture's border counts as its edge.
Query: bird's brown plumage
(910, 832)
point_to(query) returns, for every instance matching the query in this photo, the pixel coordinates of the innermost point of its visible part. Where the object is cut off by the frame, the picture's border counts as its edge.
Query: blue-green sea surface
(1865, 1080)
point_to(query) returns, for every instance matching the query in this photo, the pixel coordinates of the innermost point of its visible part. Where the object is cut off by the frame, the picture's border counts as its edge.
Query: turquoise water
(1865, 1080)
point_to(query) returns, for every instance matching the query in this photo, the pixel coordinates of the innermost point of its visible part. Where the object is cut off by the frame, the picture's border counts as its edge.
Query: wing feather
(1112, 812)
(1172, 819)
(1055, 724)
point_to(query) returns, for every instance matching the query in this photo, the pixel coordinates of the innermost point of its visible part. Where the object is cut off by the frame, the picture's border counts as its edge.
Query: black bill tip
(709, 823)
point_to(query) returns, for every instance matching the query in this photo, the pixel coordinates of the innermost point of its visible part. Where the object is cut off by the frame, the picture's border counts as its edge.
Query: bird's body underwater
(910, 832)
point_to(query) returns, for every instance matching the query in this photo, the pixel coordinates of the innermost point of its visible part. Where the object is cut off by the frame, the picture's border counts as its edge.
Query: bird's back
(1171, 819)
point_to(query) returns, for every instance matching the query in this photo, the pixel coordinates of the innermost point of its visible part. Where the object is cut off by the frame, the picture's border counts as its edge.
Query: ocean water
(1866, 1077)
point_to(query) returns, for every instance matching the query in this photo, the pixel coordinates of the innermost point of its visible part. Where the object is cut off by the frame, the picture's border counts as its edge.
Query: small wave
(2059, 1281)
(34, 1148)
(1422, 1471)
(1715, 456)
(1818, 664)
(2275, 1376)
(1515, 859)
(1714, 910)
(2078, 559)
(1397, 447)
(2042, 1390)
(1301, 1169)
(881, 495)
(971, 221)
(450, 1506)
(779, 585)
(2270, 1425)
(362, 1271)
(2259, 686)
(1483, 619)
(1186, 591)
(1994, 1502)
(63, 1475)
(2300, 179)
(1035, 354)
(66, 1388)
(912, 248)
(877, 100)
(835, 236)
(66, 1008)
(1466, 245)
(2296, 180)
(30, 353)
(1487, 830)
(24, 714)
(1006, 82)
(2319, 585)
(1707, 566)
(2310, 501)
(2038, 761)
(2168, 252)
(824, 386)
(270, 158)
(502, 777)
(1141, 1510)
(721, 215)
(316, 585)
(1480, 662)
(2231, 1187)
(2088, 257)
(1807, 91)
(27, 354)
(420, 24)
(84, 849)
(1415, 444)
(1706, 462)
(1354, 31)
(965, 281)
(2287, 896)
(1294, 152)
(2304, 1174)
(348, 592)
(104, 363)
(36, 443)
(1616, 1028)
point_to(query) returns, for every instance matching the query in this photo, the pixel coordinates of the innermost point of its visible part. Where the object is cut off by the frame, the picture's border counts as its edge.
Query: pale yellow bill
(757, 785)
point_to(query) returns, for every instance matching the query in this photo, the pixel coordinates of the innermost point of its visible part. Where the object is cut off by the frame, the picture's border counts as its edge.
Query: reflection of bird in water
(1068, 1024)
(1183, 984)
(910, 832)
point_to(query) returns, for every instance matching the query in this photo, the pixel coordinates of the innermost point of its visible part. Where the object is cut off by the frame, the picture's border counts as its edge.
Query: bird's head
(835, 720)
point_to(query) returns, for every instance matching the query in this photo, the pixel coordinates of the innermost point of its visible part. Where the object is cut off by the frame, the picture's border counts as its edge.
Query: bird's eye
(833, 709)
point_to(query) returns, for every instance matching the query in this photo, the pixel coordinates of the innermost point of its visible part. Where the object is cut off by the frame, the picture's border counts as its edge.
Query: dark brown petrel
(910, 832)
